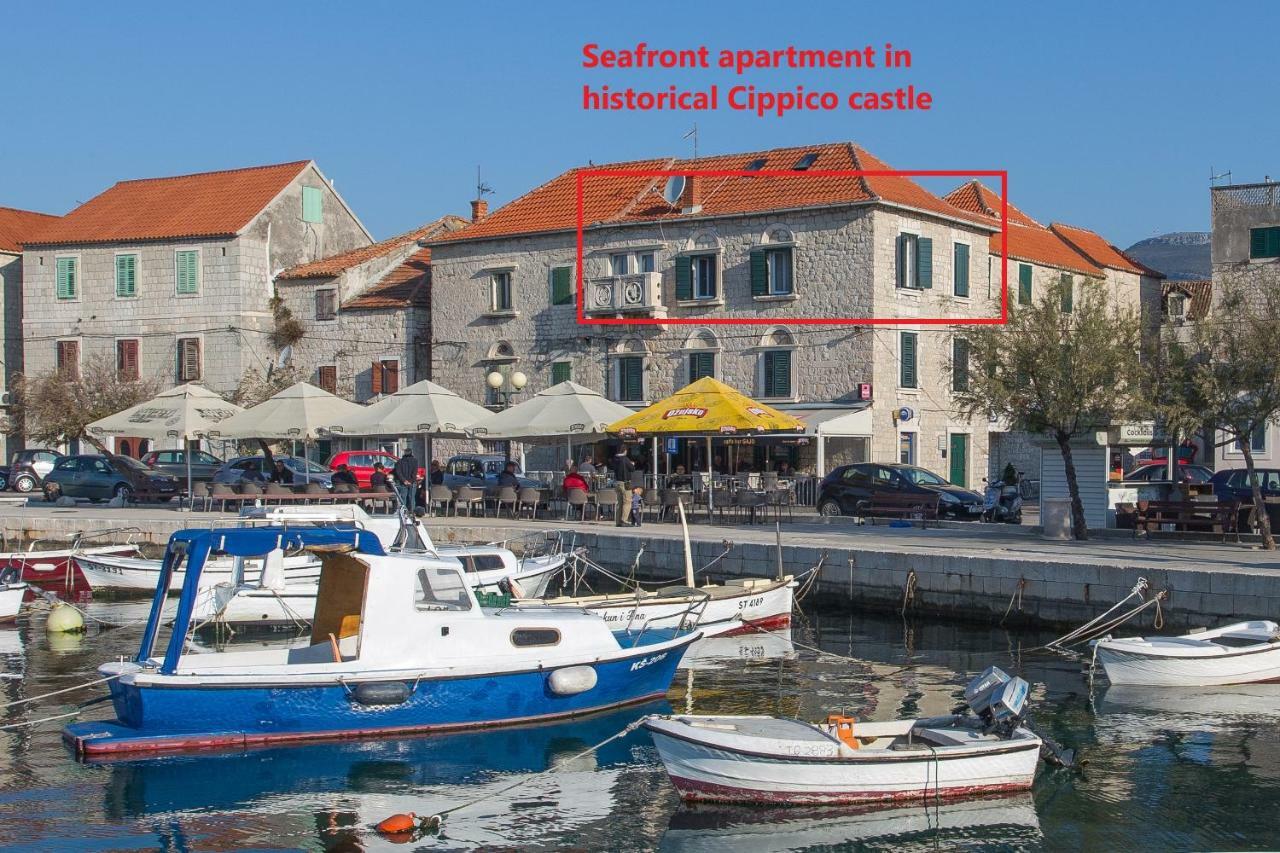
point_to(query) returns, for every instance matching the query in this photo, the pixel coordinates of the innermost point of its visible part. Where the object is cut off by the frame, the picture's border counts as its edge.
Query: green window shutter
(561, 371)
(924, 263)
(187, 267)
(961, 275)
(777, 373)
(907, 377)
(312, 205)
(1273, 242)
(1258, 242)
(902, 261)
(959, 365)
(631, 370)
(1024, 284)
(684, 278)
(759, 273)
(701, 364)
(1067, 294)
(562, 286)
(126, 275)
(66, 278)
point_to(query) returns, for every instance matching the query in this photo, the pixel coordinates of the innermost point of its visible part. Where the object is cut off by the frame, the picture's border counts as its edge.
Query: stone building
(769, 251)
(1245, 246)
(16, 226)
(172, 278)
(1039, 256)
(366, 315)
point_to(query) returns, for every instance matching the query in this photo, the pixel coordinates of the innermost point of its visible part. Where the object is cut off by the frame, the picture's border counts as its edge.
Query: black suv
(848, 489)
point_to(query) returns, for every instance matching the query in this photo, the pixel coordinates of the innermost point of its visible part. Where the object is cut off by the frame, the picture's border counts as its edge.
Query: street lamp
(505, 386)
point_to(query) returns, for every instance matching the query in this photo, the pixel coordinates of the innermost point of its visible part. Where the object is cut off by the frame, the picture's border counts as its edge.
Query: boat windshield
(440, 589)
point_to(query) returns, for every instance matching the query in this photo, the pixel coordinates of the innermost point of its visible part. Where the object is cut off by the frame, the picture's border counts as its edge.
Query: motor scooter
(1002, 502)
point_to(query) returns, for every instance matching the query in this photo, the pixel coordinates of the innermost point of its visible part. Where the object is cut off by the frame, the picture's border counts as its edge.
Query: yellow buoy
(64, 619)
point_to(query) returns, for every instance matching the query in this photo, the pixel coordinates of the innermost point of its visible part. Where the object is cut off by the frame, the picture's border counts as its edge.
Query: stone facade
(844, 264)
(229, 313)
(11, 326)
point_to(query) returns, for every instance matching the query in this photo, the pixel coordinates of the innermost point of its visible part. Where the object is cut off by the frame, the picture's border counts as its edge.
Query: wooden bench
(894, 505)
(1218, 518)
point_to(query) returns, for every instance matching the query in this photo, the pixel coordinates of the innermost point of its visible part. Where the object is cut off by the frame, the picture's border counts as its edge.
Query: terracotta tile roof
(1098, 250)
(977, 198)
(622, 199)
(398, 288)
(210, 204)
(337, 264)
(1041, 246)
(17, 226)
(1199, 296)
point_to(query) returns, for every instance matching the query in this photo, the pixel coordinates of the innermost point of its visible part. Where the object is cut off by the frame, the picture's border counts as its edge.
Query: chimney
(479, 210)
(691, 196)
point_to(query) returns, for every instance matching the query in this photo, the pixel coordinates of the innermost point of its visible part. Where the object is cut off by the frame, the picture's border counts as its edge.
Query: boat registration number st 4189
(750, 602)
(652, 659)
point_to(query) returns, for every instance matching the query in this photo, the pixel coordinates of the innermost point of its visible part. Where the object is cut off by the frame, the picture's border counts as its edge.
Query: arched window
(501, 351)
(775, 368)
(702, 348)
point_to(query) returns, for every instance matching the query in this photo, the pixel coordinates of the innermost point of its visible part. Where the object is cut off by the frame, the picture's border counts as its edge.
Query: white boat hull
(109, 572)
(722, 768)
(11, 597)
(734, 609)
(1193, 660)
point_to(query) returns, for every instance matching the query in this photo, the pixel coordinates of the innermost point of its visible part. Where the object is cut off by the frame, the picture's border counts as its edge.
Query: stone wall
(11, 325)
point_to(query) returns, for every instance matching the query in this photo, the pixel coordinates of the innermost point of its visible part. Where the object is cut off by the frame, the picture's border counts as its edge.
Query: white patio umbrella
(186, 412)
(423, 407)
(567, 409)
(301, 412)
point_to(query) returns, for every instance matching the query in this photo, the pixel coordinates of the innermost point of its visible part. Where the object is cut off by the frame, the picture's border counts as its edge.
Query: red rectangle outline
(1003, 319)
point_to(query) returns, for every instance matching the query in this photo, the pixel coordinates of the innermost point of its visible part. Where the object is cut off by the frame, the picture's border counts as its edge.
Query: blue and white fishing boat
(400, 643)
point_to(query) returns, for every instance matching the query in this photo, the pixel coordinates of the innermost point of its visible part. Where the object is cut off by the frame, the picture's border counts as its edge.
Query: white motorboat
(1242, 653)
(772, 760)
(11, 595)
(106, 571)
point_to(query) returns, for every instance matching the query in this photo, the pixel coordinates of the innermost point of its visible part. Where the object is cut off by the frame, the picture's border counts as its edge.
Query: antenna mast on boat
(688, 552)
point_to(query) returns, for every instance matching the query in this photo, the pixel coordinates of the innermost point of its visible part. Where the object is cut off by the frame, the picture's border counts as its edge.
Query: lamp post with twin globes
(505, 386)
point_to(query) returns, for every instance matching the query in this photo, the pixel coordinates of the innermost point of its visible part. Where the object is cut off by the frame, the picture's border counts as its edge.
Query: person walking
(621, 468)
(406, 472)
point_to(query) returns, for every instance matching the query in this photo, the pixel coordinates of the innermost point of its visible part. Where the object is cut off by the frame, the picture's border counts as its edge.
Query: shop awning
(836, 422)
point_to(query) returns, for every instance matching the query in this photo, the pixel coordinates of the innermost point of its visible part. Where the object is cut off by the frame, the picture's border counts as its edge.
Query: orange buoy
(398, 823)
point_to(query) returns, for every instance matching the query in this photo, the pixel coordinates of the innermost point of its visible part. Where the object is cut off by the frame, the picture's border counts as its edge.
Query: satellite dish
(674, 189)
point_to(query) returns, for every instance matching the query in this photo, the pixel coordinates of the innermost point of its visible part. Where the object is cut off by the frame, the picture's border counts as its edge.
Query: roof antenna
(694, 134)
(482, 189)
(1213, 179)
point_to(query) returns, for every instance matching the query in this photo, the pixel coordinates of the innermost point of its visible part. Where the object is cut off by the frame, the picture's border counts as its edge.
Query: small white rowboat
(11, 595)
(773, 760)
(1243, 653)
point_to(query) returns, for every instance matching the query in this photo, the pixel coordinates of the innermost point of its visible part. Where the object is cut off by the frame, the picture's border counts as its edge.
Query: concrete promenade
(967, 570)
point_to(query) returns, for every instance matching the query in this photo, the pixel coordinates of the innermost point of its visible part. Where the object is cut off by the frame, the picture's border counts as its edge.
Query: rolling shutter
(924, 263)
(961, 276)
(684, 278)
(908, 378)
(562, 286)
(759, 273)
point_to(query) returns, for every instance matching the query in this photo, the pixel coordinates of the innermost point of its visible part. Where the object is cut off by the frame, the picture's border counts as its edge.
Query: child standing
(637, 505)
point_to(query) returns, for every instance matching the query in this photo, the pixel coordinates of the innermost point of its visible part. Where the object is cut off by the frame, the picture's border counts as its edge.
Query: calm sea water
(1165, 770)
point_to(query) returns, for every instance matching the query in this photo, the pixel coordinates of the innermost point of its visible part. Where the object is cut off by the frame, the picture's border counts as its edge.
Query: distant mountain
(1182, 255)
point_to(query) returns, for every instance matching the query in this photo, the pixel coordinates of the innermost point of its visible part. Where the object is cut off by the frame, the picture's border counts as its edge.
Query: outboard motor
(997, 699)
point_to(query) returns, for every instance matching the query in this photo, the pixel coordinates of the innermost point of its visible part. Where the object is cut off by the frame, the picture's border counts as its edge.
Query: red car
(361, 463)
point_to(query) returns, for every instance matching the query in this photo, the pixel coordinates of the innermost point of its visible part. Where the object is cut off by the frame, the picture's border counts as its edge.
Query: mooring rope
(1017, 596)
(39, 721)
(1138, 588)
(909, 591)
(60, 692)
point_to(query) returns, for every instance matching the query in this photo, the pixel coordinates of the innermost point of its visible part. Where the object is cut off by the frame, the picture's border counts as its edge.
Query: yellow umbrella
(707, 407)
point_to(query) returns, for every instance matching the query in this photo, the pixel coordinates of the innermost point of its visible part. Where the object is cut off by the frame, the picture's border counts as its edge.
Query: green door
(959, 454)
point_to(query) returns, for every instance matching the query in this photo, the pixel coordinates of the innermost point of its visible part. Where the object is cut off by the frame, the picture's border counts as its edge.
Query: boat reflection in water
(730, 651)
(993, 822)
(337, 790)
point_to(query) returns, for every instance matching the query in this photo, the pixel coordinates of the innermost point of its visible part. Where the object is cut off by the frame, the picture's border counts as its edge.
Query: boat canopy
(195, 546)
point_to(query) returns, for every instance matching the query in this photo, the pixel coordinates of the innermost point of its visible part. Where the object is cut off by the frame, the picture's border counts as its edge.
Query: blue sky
(1107, 115)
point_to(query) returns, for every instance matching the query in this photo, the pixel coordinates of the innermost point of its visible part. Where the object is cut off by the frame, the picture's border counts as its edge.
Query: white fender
(572, 680)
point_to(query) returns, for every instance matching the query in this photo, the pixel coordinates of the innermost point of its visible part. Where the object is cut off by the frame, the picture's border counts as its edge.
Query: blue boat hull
(158, 718)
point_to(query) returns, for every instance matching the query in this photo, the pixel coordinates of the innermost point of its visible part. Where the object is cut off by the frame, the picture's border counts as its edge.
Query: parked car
(361, 463)
(480, 470)
(256, 468)
(850, 487)
(104, 477)
(1233, 483)
(1186, 473)
(203, 465)
(27, 468)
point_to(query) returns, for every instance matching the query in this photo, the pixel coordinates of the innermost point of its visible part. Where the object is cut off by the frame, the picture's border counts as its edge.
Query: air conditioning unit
(638, 293)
